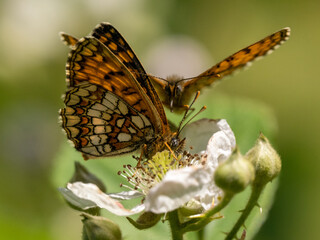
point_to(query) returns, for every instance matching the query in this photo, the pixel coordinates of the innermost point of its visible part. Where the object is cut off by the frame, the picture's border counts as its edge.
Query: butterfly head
(177, 144)
(173, 90)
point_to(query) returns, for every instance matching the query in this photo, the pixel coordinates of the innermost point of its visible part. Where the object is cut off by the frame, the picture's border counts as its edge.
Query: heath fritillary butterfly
(111, 106)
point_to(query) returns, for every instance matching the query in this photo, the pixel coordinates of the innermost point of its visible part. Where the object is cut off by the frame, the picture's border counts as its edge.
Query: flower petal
(92, 193)
(220, 145)
(210, 196)
(126, 195)
(177, 188)
(198, 133)
(74, 200)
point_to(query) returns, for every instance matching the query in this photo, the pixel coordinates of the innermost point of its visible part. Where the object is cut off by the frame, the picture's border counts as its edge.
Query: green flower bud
(235, 174)
(99, 228)
(81, 174)
(265, 160)
(145, 220)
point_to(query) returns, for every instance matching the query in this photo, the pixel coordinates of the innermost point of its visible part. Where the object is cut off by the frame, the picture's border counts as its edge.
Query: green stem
(174, 222)
(200, 234)
(255, 194)
(207, 216)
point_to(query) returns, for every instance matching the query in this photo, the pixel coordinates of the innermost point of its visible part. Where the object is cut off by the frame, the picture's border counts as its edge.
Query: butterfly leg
(143, 153)
(169, 148)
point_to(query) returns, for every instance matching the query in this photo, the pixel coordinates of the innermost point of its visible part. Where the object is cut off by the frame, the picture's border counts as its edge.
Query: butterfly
(177, 92)
(111, 106)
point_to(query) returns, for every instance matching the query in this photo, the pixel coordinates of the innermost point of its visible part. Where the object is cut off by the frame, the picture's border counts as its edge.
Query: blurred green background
(32, 80)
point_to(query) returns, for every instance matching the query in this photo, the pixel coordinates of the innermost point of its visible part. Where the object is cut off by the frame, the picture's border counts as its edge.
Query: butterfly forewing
(93, 62)
(114, 41)
(188, 87)
(248, 54)
(107, 112)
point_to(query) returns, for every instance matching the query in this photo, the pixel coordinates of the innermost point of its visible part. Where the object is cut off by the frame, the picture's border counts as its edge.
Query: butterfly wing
(114, 41)
(107, 112)
(164, 88)
(234, 62)
(101, 124)
(68, 40)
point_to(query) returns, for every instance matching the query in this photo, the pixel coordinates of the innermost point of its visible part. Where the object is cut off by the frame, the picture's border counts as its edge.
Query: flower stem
(175, 227)
(255, 194)
(200, 234)
(206, 218)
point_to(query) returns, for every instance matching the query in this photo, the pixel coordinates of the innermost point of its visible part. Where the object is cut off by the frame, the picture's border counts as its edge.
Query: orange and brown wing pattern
(107, 112)
(101, 124)
(236, 61)
(116, 43)
(68, 40)
(92, 62)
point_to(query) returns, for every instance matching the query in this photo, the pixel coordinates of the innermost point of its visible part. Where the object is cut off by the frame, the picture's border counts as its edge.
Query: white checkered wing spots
(101, 124)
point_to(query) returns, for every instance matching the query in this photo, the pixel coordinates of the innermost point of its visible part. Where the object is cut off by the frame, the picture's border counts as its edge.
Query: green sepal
(145, 220)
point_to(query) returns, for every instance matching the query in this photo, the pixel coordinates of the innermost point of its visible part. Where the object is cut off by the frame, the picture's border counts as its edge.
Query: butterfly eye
(174, 142)
(168, 90)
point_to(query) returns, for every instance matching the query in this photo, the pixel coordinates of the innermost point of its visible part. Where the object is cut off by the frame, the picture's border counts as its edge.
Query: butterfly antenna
(200, 111)
(209, 75)
(149, 75)
(186, 112)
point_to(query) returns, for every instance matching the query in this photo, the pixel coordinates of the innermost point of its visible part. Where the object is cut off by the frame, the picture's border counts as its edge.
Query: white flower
(169, 185)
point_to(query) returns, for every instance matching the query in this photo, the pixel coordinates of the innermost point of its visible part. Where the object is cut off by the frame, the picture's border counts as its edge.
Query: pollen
(147, 174)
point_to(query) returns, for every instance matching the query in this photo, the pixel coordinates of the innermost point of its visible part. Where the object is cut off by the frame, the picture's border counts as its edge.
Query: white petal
(210, 196)
(198, 133)
(220, 145)
(177, 188)
(75, 200)
(92, 193)
(224, 126)
(126, 195)
(219, 141)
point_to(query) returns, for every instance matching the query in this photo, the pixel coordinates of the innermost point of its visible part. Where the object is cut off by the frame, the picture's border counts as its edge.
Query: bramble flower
(165, 183)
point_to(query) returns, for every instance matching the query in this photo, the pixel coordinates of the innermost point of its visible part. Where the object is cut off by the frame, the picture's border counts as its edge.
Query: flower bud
(81, 174)
(145, 220)
(265, 160)
(99, 228)
(235, 174)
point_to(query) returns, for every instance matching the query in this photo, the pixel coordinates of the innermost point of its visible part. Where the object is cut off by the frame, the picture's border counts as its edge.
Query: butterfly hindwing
(101, 124)
(68, 40)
